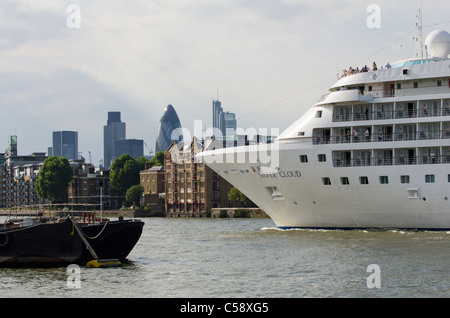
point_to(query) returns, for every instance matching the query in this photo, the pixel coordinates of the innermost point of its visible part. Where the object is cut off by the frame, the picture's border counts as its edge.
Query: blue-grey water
(243, 258)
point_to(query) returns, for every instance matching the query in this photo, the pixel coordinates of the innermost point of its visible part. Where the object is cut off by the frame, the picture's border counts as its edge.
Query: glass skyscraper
(65, 144)
(217, 110)
(133, 147)
(169, 129)
(224, 123)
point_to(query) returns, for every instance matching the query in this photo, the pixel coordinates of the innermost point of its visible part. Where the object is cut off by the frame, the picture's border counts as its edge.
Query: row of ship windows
(429, 178)
(405, 179)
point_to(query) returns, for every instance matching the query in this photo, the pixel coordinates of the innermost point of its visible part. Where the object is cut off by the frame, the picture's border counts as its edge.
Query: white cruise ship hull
(294, 195)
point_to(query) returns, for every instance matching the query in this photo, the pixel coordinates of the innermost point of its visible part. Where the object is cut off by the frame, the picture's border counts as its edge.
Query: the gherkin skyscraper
(169, 129)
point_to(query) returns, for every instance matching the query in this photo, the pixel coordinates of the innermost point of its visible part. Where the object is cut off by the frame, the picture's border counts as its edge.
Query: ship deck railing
(394, 161)
(391, 114)
(362, 138)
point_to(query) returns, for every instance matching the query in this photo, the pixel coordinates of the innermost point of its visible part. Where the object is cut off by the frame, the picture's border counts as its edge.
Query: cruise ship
(374, 152)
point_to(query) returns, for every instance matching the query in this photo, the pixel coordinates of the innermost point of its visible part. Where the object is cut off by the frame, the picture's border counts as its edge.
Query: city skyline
(271, 59)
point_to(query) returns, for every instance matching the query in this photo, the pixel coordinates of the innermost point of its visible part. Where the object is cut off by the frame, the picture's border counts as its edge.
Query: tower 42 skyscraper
(115, 129)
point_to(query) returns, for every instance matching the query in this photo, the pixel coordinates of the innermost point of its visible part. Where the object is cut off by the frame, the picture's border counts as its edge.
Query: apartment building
(18, 175)
(18, 178)
(89, 183)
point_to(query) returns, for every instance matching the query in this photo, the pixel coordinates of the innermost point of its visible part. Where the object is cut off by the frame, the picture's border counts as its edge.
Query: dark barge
(41, 243)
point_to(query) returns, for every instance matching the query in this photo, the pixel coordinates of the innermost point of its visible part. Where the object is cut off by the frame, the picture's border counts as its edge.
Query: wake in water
(300, 229)
(352, 230)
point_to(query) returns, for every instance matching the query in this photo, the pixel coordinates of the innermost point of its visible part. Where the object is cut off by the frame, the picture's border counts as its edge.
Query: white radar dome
(438, 43)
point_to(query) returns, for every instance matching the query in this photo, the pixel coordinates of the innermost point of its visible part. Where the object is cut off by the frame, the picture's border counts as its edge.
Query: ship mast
(419, 29)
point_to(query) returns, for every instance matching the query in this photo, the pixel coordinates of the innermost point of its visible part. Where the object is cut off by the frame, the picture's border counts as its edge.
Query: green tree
(158, 159)
(54, 178)
(134, 194)
(141, 163)
(234, 194)
(237, 196)
(124, 173)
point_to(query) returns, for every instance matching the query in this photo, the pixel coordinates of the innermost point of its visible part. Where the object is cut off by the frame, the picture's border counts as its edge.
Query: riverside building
(152, 180)
(193, 189)
(89, 183)
(19, 175)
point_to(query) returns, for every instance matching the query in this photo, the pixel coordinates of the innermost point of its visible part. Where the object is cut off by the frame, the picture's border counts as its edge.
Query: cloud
(278, 56)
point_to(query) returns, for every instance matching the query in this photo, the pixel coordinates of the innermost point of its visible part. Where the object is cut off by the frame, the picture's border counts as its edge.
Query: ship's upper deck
(396, 87)
(402, 71)
(416, 87)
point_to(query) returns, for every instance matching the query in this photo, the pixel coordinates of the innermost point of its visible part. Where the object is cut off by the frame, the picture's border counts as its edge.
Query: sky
(65, 64)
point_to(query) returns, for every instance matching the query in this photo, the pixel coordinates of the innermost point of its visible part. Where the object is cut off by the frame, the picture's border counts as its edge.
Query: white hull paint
(302, 200)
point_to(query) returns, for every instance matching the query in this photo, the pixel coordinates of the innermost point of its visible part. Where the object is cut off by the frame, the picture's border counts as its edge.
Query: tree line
(56, 174)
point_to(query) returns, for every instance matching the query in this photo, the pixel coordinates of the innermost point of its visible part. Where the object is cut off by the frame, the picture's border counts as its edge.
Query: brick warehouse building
(192, 189)
(152, 180)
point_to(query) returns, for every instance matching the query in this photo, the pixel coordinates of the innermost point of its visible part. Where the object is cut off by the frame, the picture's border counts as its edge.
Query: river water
(250, 258)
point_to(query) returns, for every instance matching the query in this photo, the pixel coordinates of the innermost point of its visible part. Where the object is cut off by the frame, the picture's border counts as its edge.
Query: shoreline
(215, 213)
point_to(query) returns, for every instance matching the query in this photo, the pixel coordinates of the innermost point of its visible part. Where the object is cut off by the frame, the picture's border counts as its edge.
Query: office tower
(217, 110)
(229, 123)
(65, 144)
(169, 129)
(115, 129)
(224, 123)
(133, 147)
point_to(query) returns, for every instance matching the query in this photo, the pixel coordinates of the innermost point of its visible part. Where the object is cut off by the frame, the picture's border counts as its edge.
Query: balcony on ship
(392, 110)
(382, 133)
(382, 157)
(405, 156)
(391, 157)
(405, 132)
(406, 110)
